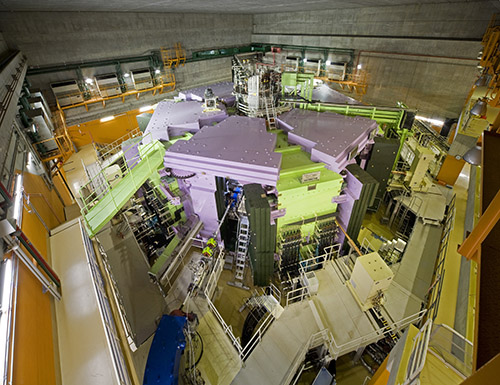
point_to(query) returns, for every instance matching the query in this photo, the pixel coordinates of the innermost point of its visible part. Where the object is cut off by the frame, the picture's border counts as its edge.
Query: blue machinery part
(162, 367)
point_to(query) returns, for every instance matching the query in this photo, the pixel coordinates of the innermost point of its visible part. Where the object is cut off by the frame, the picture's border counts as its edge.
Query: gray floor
(272, 357)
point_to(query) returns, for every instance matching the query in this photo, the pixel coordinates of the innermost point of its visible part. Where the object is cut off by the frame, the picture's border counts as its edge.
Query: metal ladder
(270, 113)
(242, 246)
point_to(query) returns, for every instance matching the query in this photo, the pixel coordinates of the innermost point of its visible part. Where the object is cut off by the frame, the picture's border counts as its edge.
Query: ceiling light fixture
(473, 156)
(482, 81)
(145, 108)
(434, 122)
(480, 108)
(18, 199)
(107, 119)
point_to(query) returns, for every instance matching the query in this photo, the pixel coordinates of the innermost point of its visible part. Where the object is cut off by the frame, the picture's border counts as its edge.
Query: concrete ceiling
(203, 6)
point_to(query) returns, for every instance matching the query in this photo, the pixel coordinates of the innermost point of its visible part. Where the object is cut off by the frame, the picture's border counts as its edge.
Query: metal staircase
(173, 57)
(99, 207)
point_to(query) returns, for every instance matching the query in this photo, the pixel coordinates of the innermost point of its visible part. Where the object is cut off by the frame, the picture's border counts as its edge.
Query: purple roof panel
(238, 147)
(174, 118)
(332, 133)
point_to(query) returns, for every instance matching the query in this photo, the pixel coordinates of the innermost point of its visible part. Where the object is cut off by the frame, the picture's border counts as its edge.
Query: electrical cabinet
(370, 278)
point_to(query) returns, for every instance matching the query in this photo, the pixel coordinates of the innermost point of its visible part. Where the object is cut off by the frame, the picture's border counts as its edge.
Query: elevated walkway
(99, 208)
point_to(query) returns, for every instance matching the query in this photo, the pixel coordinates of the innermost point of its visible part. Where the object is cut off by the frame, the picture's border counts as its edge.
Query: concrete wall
(3, 44)
(422, 54)
(58, 37)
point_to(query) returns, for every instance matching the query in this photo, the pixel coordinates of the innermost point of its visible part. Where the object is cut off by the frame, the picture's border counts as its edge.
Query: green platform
(97, 213)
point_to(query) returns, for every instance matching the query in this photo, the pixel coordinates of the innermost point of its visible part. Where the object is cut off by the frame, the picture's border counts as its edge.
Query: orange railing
(63, 149)
(173, 57)
(64, 146)
(164, 83)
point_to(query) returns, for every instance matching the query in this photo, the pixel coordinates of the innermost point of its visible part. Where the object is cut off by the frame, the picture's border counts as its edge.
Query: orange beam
(487, 374)
(349, 239)
(487, 221)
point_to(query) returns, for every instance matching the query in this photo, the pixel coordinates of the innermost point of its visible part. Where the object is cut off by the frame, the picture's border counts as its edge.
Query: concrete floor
(229, 299)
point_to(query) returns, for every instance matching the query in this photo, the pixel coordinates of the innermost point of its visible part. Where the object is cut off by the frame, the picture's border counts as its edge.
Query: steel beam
(488, 220)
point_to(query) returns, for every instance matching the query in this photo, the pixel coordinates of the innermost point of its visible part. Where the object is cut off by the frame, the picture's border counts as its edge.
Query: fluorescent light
(33, 128)
(18, 198)
(107, 119)
(435, 122)
(305, 60)
(88, 80)
(328, 62)
(5, 316)
(126, 74)
(30, 158)
(157, 71)
(359, 66)
(145, 108)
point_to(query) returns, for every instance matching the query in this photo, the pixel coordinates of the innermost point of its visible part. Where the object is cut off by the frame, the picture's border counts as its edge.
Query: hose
(201, 354)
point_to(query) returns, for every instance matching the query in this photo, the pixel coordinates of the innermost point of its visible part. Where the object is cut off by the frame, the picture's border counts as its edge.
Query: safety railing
(418, 354)
(173, 57)
(118, 359)
(384, 116)
(453, 348)
(245, 351)
(434, 292)
(167, 278)
(354, 81)
(337, 350)
(314, 263)
(297, 295)
(366, 246)
(213, 278)
(161, 83)
(257, 337)
(107, 150)
(293, 373)
(61, 148)
(117, 298)
(227, 329)
(126, 162)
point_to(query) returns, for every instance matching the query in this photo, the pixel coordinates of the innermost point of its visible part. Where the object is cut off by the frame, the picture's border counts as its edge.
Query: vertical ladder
(270, 113)
(242, 246)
